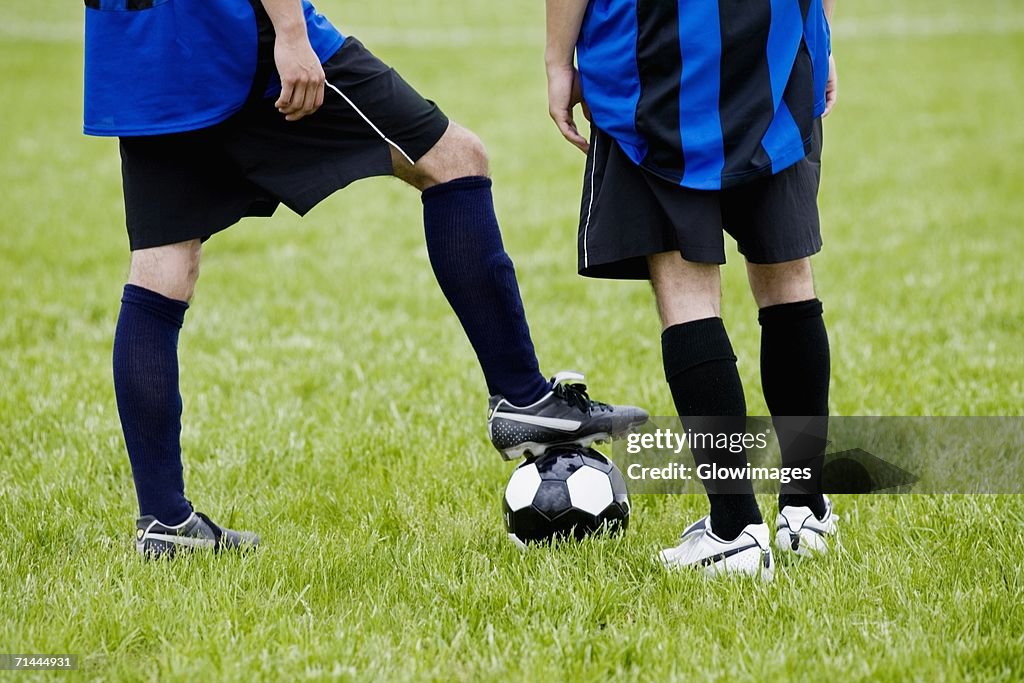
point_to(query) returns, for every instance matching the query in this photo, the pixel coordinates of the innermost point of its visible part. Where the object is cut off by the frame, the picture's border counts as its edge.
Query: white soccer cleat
(799, 531)
(748, 554)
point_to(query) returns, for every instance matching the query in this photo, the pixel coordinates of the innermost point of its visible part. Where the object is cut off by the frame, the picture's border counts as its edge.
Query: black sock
(700, 367)
(146, 386)
(795, 377)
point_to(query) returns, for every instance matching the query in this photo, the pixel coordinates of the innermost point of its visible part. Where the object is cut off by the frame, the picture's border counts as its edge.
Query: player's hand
(302, 77)
(564, 93)
(832, 87)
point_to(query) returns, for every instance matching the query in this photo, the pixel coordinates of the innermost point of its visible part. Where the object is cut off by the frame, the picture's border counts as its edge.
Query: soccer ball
(569, 492)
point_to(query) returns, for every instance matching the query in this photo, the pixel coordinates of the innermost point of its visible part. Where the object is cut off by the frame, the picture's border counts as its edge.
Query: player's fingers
(831, 95)
(312, 92)
(831, 86)
(319, 96)
(572, 134)
(297, 100)
(284, 100)
(567, 127)
(306, 106)
(293, 112)
(576, 139)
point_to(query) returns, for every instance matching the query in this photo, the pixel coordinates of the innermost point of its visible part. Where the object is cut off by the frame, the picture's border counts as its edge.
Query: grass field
(333, 404)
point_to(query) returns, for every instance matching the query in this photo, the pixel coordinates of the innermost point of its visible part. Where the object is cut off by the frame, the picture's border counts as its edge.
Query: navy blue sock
(479, 281)
(146, 385)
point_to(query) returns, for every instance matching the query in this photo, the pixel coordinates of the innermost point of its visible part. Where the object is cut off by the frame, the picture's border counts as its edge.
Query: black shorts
(628, 214)
(190, 185)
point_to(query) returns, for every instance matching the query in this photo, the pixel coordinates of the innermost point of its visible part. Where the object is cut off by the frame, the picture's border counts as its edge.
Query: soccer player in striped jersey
(227, 109)
(705, 119)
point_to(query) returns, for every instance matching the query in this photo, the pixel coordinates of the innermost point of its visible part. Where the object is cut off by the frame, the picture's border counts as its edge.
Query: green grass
(333, 404)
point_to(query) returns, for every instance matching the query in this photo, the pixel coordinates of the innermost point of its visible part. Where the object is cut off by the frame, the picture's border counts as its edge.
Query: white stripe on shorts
(590, 203)
(370, 123)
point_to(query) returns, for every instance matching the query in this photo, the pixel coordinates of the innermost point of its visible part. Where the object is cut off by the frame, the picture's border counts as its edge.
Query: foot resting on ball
(748, 554)
(198, 532)
(565, 415)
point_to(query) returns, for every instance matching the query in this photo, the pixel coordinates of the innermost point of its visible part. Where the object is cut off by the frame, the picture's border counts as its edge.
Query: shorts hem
(153, 239)
(305, 203)
(782, 256)
(634, 267)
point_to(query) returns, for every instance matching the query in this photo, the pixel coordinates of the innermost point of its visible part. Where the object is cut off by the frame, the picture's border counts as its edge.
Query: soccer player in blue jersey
(706, 118)
(227, 109)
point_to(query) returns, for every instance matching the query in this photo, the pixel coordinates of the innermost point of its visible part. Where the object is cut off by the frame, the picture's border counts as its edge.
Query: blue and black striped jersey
(706, 93)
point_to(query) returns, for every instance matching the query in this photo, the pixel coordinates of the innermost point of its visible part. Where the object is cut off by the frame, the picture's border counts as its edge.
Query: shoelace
(576, 396)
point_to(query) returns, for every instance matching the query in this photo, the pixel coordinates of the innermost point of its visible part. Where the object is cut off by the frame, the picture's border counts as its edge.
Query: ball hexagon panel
(590, 490)
(522, 487)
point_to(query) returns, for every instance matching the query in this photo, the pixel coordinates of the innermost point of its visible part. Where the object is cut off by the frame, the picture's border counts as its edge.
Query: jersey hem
(169, 129)
(330, 52)
(790, 156)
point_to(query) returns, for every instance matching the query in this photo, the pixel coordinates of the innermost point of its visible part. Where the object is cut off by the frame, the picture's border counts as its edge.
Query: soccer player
(706, 117)
(227, 109)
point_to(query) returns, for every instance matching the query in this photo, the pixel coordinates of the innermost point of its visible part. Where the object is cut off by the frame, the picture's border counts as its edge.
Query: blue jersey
(154, 67)
(706, 93)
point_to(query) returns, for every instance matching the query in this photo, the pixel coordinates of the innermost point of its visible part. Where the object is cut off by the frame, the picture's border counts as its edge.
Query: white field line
(466, 36)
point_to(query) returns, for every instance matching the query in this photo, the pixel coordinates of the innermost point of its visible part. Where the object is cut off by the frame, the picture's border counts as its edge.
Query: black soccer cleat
(198, 532)
(565, 415)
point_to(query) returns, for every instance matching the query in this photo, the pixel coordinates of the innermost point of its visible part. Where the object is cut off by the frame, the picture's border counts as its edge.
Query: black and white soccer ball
(569, 492)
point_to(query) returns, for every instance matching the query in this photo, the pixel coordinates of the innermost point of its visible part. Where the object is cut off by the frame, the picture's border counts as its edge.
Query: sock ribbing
(477, 277)
(145, 366)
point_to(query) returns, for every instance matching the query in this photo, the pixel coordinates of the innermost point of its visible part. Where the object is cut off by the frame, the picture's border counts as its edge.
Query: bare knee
(458, 154)
(171, 270)
(684, 290)
(781, 283)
